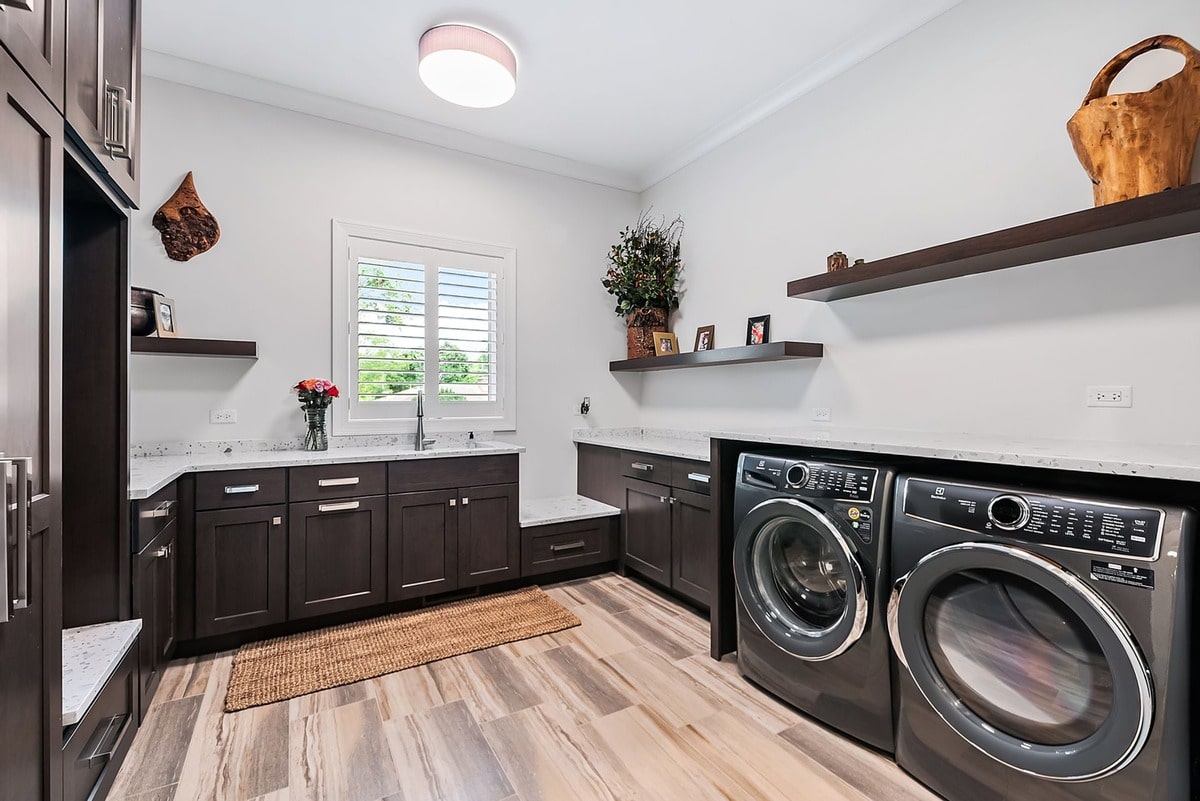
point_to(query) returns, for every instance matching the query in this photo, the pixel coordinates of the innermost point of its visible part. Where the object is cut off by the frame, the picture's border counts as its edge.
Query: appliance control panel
(820, 480)
(1083, 525)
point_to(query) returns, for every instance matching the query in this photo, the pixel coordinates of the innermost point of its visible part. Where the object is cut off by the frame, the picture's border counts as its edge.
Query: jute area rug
(285, 667)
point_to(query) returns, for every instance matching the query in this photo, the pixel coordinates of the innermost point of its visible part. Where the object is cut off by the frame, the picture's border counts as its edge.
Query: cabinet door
(599, 474)
(646, 544)
(154, 594)
(36, 38)
(103, 86)
(241, 569)
(694, 546)
(31, 179)
(422, 544)
(489, 535)
(337, 555)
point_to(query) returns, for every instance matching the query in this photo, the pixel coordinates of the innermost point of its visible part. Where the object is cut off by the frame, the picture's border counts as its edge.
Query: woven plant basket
(639, 336)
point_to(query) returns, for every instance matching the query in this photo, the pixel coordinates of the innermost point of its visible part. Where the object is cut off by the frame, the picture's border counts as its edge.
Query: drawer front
(418, 475)
(646, 466)
(692, 476)
(93, 752)
(562, 546)
(233, 489)
(152, 515)
(319, 482)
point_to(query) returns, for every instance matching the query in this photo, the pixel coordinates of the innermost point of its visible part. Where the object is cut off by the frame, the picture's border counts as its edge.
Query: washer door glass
(799, 579)
(1018, 657)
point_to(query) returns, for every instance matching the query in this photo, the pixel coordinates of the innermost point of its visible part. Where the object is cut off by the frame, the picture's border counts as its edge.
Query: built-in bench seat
(567, 531)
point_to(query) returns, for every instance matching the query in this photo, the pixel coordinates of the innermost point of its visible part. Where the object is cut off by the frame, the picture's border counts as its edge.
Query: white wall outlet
(822, 414)
(1110, 396)
(222, 416)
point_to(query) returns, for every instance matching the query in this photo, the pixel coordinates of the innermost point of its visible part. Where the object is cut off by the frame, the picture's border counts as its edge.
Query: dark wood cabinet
(31, 164)
(599, 474)
(489, 535)
(422, 544)
(694, 551)
(241, 569)
(337, 556)
(646, 544)
(155, 590)
(36, 39)
(102, 99)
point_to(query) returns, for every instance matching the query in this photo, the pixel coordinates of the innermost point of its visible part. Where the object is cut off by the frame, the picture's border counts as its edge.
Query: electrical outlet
(822, 414)
(222, 416)
(1110, 396)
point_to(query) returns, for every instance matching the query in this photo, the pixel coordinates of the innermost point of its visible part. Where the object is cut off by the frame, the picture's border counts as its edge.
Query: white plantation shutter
(422, 313)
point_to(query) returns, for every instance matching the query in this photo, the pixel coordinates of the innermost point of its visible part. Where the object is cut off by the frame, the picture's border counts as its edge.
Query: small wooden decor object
(837, 261)
(187, 227)
(1139, 143)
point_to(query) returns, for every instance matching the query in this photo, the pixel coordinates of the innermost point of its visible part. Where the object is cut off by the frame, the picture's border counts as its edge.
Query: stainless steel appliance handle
(24, 488)
(642, 466)
(242, 489)
(5, 604)
(337, 482)
(701, 477)
(338, 507)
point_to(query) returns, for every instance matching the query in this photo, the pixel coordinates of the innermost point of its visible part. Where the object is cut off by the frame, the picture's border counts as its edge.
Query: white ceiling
(619, 92)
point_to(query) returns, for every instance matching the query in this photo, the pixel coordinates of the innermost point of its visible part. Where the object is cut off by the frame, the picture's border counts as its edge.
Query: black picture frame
(758, 330)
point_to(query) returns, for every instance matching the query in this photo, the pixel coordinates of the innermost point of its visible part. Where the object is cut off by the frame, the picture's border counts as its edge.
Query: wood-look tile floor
(626, 706)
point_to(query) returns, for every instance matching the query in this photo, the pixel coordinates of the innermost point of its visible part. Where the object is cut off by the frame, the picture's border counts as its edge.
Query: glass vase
(315, 439)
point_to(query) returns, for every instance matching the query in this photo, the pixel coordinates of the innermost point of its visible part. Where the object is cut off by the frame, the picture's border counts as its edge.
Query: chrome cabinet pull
(118, 111)
(568, 546)
(24, 487)
(276, 521)
(105, 741)
(337, 482)
(466, 501)
(453, 502)
(5, 610)
(162, 510)
(338, 507)
(662, 498)
(163, 552)
(671, 501)
(642, 466)
(701, 477)
(242, 489)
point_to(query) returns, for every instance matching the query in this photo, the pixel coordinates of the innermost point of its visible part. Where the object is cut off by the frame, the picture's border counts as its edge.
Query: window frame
(344, 336)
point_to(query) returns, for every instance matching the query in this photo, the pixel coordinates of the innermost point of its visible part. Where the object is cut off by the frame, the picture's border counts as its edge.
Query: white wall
(953, 131)
(274, 179)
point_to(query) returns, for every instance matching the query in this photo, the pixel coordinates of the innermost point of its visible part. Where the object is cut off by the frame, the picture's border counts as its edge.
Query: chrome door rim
(1092, 599)
(856, 596)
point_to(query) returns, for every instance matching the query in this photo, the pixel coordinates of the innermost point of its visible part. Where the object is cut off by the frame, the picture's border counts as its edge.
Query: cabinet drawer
(415, 475)
(646, 466)
(322, 481)
(152, 515)
(689, 475)
(233, 489)
(561, 546)
(96, 746)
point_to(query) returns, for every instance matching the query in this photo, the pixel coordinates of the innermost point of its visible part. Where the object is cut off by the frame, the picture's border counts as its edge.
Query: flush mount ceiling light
(467, 66)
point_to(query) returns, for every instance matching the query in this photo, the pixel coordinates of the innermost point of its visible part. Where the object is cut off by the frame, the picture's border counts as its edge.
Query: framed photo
(665, 344)
(166, 323)
(758, 330)
(706, 338)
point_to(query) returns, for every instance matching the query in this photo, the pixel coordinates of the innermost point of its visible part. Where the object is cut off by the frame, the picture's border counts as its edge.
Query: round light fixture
(467, 66)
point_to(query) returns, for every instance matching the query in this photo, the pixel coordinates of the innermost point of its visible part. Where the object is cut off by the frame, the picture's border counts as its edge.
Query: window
(415, 313)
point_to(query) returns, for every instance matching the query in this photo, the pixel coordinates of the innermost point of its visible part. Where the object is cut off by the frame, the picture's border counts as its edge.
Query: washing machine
(1042, 643)
(809, 562)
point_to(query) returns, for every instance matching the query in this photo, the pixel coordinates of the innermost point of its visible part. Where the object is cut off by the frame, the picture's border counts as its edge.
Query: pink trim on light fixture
(464, 37)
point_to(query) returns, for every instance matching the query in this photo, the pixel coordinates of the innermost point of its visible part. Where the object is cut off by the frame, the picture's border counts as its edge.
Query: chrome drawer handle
(104, 743)
(348, 506)
(242, 489)
(701, 477)
(162, 510)
(642, 466)
(337, 482)
(568, 546)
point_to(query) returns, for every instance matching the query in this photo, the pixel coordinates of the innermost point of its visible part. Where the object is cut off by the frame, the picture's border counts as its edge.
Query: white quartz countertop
(1173, 461)
(90, 654)
(564, 509)
(149, 474)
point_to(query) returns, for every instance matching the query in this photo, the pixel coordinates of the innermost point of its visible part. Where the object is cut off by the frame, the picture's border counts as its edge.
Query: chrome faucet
(420, 443)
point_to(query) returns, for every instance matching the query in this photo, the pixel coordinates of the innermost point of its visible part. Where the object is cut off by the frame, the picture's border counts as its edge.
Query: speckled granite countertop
(565, 509)
(90, 654)
(1174, 461)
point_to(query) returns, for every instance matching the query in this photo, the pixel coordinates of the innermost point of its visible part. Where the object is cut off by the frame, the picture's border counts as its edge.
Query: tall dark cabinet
(31, 439)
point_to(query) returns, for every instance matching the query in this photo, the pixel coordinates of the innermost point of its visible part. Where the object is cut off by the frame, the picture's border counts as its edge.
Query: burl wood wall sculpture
(187, 227)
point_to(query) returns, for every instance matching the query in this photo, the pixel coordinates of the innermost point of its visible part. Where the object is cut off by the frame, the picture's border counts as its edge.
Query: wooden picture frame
(758, 330)
(166, 318)
(706, 338)
(665, 344)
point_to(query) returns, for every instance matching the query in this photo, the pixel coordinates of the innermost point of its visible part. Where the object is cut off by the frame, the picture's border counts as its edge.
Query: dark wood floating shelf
(1175, 212)
(179, 346)
(748, 354)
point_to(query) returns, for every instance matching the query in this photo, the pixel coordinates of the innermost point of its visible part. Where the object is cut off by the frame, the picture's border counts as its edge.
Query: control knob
(1008, 512)
(797, 475)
